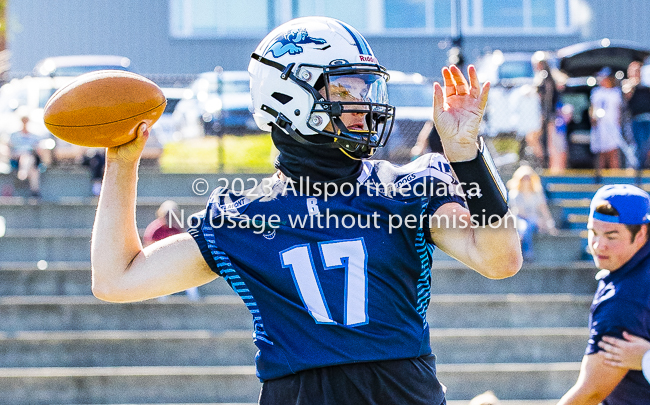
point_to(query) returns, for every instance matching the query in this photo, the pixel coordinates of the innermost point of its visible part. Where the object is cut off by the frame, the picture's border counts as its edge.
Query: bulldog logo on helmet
(291, 41)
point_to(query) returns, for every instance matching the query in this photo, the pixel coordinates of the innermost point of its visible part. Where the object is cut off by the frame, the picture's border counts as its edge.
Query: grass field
(230, 154)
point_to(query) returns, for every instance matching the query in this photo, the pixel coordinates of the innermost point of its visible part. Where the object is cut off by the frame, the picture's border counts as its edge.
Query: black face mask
(318, 163)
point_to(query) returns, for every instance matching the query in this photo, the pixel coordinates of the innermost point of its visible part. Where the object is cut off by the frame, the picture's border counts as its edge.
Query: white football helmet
(296, 67)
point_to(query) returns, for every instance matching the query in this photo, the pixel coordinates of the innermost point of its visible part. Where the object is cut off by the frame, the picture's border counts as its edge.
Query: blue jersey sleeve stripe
(424, 282)
(220, 263)
(199, 238)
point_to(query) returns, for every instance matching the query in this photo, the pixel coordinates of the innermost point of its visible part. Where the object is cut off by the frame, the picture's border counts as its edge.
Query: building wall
(628, 19)
(139, 30)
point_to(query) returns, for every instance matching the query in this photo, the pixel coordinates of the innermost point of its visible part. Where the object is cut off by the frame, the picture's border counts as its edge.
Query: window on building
(517, 16)
(222, 18)
(406, 14)
(543, 13)
(442, 14)
(217, 18)
(503, 14)
(353, 12)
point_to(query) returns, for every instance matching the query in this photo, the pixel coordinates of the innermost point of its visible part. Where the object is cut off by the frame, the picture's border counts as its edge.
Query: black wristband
(485, 194)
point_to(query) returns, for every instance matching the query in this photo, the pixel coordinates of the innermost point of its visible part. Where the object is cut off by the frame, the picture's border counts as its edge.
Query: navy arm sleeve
(614, 316)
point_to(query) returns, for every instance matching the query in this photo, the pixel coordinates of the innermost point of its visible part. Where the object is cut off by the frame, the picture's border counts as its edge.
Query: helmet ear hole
(281, 97)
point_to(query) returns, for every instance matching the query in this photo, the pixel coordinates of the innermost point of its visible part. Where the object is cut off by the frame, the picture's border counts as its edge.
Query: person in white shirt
(605, 111)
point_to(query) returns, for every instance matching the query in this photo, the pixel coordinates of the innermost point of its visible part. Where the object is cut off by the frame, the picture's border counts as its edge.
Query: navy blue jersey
(331, 279)
(622, 303)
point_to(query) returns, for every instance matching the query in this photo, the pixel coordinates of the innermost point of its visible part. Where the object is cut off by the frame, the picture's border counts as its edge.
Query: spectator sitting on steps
(25, 156)
(528, 203)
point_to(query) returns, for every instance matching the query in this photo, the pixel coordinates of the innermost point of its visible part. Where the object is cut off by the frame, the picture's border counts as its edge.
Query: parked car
(75, 65)
(508, 69)
(236, 103)
(513, 106)
(165, 129)
(412, 96)
(27, 96)
(581, 62)
(220, 104)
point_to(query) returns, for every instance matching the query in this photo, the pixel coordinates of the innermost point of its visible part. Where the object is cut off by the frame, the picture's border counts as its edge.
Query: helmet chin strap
(350, 156)
(358, 147)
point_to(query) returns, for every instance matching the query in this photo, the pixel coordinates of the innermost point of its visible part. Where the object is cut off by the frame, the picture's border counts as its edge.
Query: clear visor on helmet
(360, 118)
(357, 87)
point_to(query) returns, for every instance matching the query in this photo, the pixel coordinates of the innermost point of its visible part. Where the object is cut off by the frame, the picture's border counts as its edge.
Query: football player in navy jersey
(332, 254)
(618, 239)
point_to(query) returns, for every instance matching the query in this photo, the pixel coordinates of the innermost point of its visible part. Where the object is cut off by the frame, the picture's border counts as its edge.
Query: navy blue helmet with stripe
(319, 76)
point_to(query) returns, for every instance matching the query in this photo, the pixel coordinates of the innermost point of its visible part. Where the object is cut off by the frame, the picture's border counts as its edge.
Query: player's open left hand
(458, 110)
(130, 151)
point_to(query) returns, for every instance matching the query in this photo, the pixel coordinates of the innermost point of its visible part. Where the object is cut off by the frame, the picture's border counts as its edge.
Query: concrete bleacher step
(571, 277)
(218, 313)
(582, 184)
(508, 381)
(73, 244)
(116, 348)
(448, 277)
(64, 278)
(509, 345)
(44, 244)
(221, 313)
(75, 182)
(83, 385)
(508, 310)
(567, 246)
(120, 348)
(77, 212)
(45, 278)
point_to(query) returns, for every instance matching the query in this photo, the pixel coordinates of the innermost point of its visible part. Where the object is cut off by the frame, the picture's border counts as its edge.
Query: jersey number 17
(349, 254)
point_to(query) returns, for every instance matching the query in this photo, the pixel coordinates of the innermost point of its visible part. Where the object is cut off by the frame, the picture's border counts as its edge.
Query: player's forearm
(115, 240)
(577, 396)
(461, 149)
(497, 250)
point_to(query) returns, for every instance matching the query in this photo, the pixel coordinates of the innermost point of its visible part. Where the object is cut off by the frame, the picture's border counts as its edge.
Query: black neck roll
(319, 164)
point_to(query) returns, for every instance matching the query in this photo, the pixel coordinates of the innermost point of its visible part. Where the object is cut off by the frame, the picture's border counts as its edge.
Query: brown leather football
(103, 108)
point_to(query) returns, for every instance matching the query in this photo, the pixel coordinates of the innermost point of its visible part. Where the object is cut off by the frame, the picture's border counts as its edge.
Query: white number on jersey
(349, 254)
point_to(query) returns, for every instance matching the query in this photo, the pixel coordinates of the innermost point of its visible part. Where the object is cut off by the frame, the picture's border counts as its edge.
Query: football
(103, 108)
